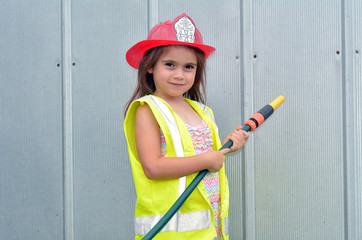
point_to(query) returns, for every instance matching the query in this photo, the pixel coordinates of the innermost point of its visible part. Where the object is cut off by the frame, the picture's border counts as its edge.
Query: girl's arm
(148, 141)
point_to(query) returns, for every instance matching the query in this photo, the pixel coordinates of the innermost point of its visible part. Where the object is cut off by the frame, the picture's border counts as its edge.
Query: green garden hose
(255, 121)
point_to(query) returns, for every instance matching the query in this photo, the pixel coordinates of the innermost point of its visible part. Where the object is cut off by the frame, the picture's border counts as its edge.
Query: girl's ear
(150, 71)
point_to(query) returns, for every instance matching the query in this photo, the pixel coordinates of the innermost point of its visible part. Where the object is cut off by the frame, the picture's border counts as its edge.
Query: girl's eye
(169, 64)
(190, 67)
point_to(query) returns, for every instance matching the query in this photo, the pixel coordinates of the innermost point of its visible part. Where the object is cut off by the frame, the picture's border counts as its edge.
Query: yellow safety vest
(195, 219)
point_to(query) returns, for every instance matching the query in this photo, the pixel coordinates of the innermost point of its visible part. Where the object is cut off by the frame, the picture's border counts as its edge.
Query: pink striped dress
(202, 140)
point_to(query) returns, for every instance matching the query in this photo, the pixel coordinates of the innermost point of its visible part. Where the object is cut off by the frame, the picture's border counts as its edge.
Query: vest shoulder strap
(207, 111)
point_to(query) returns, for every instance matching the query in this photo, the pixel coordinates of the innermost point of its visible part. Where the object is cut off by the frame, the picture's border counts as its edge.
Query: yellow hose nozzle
(277, 102)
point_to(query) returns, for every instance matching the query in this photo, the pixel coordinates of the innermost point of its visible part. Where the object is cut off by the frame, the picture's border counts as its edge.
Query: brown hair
(146, 85)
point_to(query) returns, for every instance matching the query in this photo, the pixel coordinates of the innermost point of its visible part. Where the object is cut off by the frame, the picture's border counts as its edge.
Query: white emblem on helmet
(185, 30)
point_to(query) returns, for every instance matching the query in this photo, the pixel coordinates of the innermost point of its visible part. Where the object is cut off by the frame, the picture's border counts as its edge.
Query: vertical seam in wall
(67, 121)
(152, 11)
(249, 192)
(345, 185)
(344, 120)
(349, 153)
(242, 117)
(148, 14)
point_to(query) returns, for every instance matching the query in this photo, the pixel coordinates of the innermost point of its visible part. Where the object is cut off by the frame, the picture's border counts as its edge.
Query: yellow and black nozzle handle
(254, 122)
(258, 118)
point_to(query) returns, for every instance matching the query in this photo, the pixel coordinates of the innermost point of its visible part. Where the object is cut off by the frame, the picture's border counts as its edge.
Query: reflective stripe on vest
(226, 225)
(191, 221)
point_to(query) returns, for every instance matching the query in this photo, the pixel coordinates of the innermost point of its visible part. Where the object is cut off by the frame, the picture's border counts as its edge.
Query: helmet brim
(137, 51)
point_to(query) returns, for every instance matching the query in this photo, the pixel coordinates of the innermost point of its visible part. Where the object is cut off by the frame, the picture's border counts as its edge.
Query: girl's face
(174, 73)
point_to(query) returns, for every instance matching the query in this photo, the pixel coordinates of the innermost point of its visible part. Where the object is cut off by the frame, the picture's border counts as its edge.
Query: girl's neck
(172, 101)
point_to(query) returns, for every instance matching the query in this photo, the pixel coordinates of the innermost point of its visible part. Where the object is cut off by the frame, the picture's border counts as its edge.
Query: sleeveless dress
(202, 141)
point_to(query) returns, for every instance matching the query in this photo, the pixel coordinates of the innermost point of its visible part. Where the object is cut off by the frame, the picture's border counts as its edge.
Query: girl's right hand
(216, 159)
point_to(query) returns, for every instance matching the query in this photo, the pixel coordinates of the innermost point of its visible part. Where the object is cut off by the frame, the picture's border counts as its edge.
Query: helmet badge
(185, 30)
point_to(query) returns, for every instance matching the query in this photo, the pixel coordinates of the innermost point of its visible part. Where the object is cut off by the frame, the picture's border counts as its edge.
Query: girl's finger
(239, 128)
(225, 151)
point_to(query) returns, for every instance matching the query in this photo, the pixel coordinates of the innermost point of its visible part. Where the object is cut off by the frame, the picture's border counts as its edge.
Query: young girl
(171, 136)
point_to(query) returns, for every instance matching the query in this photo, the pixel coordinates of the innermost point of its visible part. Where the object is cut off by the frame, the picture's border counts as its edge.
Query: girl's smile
(174, 73)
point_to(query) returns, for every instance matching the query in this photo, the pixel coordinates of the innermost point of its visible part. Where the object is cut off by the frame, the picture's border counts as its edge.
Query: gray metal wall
(64, 169)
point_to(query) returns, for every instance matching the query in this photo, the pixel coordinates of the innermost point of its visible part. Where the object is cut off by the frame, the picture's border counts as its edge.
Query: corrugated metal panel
(298, 154)
(31, 181)
(102, 83)
(219, 24)
(301, 174)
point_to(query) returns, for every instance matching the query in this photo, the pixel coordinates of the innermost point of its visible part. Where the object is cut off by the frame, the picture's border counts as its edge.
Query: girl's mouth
(177, 84)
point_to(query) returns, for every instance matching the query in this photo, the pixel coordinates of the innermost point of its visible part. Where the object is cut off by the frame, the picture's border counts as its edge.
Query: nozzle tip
(277, 102)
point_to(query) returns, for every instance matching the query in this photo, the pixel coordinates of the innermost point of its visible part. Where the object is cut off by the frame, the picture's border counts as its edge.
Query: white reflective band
(175, 134)
(185, 222)
(226, 225)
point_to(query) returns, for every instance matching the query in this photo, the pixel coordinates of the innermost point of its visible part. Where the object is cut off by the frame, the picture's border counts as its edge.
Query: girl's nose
(179, 74)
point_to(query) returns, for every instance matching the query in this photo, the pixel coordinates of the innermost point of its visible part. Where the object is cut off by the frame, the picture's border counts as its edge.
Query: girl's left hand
(239, 137)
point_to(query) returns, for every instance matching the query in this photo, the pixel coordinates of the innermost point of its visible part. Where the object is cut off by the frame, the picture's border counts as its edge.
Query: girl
(171, 136)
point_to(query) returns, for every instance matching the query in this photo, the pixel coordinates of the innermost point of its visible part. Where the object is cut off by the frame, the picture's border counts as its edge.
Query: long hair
(146, 85)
